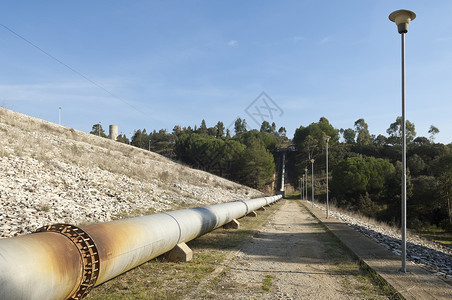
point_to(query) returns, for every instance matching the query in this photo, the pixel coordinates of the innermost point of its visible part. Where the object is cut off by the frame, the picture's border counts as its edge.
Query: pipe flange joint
(246, 205)
(88, 253)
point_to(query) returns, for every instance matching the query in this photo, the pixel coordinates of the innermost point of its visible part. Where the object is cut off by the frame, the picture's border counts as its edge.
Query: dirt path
(292, 257)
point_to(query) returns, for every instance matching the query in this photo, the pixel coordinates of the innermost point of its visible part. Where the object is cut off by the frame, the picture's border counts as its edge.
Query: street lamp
(312, 182)
(306, 182)
(301, 187)
(283, 170)
(402, 18)
(327, 138)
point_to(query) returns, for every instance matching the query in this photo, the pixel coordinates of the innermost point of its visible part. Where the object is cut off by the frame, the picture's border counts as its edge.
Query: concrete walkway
(417, 283)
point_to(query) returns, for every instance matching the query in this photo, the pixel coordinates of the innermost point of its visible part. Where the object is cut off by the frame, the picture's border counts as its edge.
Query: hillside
(55, 174)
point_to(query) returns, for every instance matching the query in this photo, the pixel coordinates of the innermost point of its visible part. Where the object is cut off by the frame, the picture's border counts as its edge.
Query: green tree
(239, 126)
(139, 138)
(362, 132)
(310, 139)
(445, 192)
(214, 155)
(122, 139)
(391, 196)
(424, 204)
(349, 135)
(256, 165)
(433, 132)
(380, 140)
(266, 127)
(219, 130)
(203, 128)
(162, 142)
(416, 164)
(395, 132)
(98, 130)
(357, 177)
(212, 131)
(268, 140)
(177, 130)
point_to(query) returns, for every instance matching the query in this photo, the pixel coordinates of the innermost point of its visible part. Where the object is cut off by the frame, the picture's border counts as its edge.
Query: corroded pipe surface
(67, 263)
(44, 265)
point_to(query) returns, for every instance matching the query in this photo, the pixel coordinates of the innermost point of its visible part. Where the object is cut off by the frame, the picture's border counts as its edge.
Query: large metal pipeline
(65, 262)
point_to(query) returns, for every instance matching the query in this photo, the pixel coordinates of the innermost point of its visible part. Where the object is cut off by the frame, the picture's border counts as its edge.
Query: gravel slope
(51, 174)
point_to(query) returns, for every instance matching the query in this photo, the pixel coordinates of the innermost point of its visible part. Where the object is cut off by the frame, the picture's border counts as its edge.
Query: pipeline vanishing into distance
(63, 261)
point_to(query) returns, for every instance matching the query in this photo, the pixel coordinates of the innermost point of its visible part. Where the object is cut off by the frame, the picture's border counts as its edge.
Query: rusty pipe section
(64, 262)
(39, 266)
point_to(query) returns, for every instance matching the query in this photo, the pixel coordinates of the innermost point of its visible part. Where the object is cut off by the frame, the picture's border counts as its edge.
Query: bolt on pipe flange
(89, 255)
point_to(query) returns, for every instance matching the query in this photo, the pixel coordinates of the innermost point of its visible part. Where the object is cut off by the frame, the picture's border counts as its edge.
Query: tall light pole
(312, 181)
(301, 187)
(327, 138)
(306, 182)
(402, 18)
(283, 170)
(59, 115)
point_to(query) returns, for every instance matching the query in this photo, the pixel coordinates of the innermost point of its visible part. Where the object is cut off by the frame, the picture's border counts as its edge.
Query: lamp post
(59, 115)
(301, 187)
(312, 181)
(306, 182)
(98, 129)
(327, 138)
(402, 18)
(304, 187)
(283, 170)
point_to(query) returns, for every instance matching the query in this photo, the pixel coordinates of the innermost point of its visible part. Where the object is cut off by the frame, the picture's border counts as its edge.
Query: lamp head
(327, 138)
(312, 160)
(402, 18)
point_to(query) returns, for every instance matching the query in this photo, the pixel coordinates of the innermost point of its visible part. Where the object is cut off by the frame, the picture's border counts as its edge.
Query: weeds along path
(292, 257)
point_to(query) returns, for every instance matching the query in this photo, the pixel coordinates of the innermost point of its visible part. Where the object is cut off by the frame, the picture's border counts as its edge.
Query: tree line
(246, 157)
(365, 169)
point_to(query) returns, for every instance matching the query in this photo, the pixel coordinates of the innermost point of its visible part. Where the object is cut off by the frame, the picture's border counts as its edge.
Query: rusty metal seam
(88, 253)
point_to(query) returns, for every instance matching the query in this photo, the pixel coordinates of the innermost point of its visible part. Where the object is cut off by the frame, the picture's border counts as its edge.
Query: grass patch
(267, 283)
(45, 207)
(438, 235)
(294, 196)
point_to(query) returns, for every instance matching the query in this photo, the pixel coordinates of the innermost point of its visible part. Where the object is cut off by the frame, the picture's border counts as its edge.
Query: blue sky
(155, 64)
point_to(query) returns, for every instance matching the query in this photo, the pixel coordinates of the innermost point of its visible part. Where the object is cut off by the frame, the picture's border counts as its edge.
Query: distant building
(113, 135)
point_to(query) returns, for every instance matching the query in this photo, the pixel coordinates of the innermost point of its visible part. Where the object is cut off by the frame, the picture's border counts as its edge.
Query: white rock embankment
(432, 256)
(53, 174)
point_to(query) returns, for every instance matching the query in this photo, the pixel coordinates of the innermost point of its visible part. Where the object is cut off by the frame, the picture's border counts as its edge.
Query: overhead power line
(70, 68)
